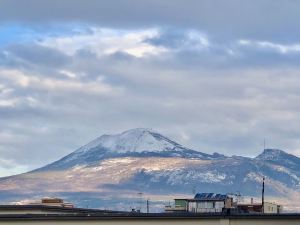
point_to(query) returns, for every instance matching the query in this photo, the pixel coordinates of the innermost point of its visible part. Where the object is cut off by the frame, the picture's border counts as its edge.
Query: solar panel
(210, 196)
(217, 196)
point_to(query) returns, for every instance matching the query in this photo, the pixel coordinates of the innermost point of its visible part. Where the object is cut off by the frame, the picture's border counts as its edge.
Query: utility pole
(147, 205)
(263, 186)
(263, 196)
(140, 200)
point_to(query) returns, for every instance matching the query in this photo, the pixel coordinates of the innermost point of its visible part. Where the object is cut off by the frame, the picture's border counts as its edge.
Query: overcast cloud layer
(216, 76)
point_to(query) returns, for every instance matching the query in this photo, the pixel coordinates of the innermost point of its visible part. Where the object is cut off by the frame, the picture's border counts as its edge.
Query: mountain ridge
(280, 157)
(135, 142)
(144, 160)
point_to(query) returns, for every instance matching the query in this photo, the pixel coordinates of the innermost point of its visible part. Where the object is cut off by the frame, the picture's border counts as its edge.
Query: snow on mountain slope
(136, 142)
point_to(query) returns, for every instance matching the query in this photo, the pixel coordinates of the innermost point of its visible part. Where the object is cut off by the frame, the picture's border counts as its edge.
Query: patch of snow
(179, 176)
(78, 168)
(135, 140)
(253, 177)
(288, 172)
(119, 160)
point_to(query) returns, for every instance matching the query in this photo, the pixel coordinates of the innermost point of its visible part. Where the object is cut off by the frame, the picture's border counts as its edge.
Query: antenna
(238, 197)
(140, 199)
(148, 203)
(263, 184)
(263, 195)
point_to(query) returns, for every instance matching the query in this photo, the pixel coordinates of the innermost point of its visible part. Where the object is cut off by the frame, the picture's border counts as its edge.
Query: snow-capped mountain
(135, 142)
(110, 170)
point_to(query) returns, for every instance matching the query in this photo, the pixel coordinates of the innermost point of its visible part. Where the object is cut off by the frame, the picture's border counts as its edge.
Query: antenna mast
(263, 195)
(140, 200)
(263, 186)
(148, 203)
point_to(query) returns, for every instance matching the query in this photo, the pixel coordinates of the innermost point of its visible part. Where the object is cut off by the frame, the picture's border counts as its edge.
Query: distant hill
(109, 172)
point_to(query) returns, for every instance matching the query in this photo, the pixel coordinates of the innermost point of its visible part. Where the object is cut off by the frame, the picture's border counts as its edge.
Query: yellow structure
(270, 207)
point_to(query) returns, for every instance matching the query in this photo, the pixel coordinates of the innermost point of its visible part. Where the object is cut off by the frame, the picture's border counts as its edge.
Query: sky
(215, 76)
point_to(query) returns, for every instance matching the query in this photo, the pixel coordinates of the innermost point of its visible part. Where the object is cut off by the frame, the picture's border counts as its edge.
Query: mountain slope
(109, 171)
(280, 157)
(136, 142)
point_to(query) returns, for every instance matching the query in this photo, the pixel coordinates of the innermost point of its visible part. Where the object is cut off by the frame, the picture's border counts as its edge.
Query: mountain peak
(280, 157)
(134, 140)
(272, 154)
(138, 142)
(138, 130)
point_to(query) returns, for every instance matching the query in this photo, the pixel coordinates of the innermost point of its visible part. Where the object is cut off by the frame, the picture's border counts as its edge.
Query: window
(209, 205)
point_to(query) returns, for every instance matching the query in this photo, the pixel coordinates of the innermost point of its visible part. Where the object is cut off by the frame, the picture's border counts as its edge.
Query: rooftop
(53, 209)
(210, 197)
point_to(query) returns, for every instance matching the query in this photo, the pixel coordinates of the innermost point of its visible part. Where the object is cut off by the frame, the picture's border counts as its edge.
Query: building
(43, 214)
(56, 202)
(269, 208)
(180, 205)
(202, 203)
(216, 203)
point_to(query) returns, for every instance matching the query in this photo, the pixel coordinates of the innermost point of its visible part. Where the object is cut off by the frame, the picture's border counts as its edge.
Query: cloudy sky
(216, 76)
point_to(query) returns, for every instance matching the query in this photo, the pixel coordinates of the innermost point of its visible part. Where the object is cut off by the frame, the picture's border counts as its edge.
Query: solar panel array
(210, 196)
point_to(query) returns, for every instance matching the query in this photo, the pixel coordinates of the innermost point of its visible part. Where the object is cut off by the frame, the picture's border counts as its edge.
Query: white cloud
(45, 83)
(107, 41)
(9, 167)
(67, 73)
(198, 39)
(8, 103)
(5, 99)
(281, 48)
(196, 94)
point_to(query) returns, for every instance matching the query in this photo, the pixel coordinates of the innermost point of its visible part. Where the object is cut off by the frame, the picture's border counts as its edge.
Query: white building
(202, 203)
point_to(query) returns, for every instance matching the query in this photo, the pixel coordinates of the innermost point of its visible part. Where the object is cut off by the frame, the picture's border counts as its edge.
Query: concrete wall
(33, 211)
(161, 222)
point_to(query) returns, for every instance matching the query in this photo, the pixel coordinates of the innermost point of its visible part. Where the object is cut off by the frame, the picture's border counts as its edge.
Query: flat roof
(54, 208)
(200, 200)
(254, 204)
(147, 216)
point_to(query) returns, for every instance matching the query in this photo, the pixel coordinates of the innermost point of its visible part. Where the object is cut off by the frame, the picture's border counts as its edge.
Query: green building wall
(180, 202)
